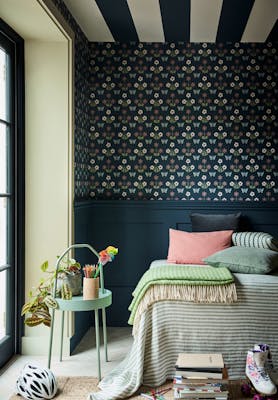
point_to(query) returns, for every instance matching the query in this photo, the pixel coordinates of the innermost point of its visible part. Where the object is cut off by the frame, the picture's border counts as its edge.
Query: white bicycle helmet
(36, 383)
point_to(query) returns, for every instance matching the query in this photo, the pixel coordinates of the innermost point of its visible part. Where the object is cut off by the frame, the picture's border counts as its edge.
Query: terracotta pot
(90, 288)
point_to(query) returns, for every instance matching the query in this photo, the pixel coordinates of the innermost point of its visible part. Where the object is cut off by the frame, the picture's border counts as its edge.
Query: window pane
(3, 233)
(3, 84)
(3, 158)
(3, 304)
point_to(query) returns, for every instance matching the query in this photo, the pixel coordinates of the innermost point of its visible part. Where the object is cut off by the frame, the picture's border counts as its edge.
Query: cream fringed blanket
(196, 284)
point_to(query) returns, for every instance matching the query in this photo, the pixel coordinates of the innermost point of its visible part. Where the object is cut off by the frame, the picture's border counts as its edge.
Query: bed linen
(167, 328)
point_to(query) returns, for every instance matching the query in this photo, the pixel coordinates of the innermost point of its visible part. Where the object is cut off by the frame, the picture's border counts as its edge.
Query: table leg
(51, 338)
(104, 333)
(97, 343)
(62, 335)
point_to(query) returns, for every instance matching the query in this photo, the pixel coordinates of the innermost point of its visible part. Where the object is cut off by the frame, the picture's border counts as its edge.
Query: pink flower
(104, 257)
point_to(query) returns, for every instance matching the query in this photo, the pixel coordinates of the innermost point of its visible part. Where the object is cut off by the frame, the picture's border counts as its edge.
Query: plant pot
(72, 280)
(90, 288)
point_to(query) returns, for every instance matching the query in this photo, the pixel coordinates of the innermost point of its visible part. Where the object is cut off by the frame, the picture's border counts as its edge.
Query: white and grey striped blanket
(170, 327)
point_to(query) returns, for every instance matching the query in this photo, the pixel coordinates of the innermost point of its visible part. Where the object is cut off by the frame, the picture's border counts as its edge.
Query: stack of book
(200, 376)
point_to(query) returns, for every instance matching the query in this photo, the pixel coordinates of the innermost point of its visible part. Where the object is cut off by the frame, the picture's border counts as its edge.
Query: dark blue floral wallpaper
(82, 139)
(183, 121)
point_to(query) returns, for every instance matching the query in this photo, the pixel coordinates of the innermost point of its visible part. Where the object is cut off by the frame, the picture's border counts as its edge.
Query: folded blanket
(173, 282)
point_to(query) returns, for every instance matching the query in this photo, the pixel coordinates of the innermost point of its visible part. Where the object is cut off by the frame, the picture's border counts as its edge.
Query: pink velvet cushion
(191, 248)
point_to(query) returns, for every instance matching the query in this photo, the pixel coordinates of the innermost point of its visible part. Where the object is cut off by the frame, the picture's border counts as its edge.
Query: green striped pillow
(259, 240)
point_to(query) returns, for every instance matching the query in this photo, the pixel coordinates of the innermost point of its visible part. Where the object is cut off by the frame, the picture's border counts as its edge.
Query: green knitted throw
(199, 284)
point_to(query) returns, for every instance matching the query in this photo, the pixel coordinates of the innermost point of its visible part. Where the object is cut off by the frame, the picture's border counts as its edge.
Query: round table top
(77, 303)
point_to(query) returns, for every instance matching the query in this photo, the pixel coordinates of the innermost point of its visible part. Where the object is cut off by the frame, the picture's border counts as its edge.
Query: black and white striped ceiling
(177, 20)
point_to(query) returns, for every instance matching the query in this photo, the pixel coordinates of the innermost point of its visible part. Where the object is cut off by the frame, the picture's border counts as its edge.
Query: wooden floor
(77, 388)
(235, 392)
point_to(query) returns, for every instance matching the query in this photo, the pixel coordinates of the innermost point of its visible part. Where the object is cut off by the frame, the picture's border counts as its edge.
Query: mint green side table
(77, 303)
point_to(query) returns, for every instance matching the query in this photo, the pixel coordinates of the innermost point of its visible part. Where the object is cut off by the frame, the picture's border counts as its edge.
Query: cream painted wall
(49, 99)
(48, 169)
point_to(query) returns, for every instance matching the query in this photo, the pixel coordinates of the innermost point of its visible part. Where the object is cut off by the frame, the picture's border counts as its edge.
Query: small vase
(90, 288)
(72, 280)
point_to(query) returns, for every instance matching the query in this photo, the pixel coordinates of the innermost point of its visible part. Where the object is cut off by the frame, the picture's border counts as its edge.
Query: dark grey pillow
(214, 222)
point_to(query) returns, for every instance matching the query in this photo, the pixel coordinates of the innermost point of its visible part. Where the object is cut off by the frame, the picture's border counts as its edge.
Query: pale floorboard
(82, 363)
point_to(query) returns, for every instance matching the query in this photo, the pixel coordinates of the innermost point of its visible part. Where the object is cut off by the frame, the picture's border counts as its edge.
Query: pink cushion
(191, 248)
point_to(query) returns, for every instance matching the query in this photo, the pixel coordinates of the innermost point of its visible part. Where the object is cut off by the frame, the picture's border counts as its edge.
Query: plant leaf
(42, 314)
(33, 321)
(47, 323)
(44, 266)
(26, 307)
(50, 302)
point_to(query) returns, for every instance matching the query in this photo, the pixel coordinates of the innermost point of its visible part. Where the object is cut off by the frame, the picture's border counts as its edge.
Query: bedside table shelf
(77, 303)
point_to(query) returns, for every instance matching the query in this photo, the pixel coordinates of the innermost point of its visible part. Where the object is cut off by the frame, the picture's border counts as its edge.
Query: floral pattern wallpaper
(82, 138)
(182, 122)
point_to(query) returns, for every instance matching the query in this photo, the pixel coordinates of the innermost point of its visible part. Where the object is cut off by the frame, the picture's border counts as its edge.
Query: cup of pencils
(90, 283)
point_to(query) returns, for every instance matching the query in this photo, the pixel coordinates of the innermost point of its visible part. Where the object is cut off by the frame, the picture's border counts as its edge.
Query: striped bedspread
(170, 327)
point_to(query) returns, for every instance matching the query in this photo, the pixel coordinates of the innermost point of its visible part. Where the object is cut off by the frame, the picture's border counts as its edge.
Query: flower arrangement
(105, 256)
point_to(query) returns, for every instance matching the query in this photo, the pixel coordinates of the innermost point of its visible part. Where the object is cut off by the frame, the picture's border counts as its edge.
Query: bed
(169, 327)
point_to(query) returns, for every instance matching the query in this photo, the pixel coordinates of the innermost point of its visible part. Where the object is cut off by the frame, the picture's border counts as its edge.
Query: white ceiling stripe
(204, 20)
(147, 20)
(89, 17)
(261, 20)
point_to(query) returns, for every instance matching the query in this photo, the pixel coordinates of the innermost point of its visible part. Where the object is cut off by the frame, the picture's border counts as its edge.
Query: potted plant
(36, 309)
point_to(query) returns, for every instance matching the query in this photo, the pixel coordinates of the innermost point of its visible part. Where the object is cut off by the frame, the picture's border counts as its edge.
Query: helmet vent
(45, 388)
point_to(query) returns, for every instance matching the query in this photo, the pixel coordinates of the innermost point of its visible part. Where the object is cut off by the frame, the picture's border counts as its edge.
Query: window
(11, 190)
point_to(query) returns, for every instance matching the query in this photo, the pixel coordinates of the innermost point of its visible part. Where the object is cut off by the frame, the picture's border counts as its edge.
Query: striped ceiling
(177, 20)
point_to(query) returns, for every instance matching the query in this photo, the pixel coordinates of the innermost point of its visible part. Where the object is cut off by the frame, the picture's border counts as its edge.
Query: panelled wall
(140, 230)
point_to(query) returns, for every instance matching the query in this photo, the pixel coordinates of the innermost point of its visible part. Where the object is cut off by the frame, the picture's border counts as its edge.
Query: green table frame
(77, 303)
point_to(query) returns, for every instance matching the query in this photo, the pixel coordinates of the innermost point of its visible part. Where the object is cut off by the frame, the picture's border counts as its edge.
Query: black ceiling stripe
(119, 20)
(176, 20)
(273, 36)
(233, 20)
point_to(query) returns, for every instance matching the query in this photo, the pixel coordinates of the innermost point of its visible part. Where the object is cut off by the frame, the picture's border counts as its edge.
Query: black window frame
(11, 40)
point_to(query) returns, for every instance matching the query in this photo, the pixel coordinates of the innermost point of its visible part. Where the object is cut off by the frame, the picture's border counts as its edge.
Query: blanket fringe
(197, 294)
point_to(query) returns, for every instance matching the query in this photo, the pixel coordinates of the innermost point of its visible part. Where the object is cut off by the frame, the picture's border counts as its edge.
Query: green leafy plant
(37, 309)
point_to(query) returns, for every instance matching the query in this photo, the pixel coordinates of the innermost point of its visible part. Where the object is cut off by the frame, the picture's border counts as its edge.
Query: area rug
(78, 388)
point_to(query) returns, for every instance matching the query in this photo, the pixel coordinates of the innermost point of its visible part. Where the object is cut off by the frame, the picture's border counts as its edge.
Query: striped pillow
(255, 239)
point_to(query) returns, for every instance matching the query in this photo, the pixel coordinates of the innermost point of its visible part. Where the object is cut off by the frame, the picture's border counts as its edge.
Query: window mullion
(4, 267)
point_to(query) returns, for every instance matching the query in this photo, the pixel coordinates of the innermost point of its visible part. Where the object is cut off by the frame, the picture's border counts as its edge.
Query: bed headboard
(140, 230)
